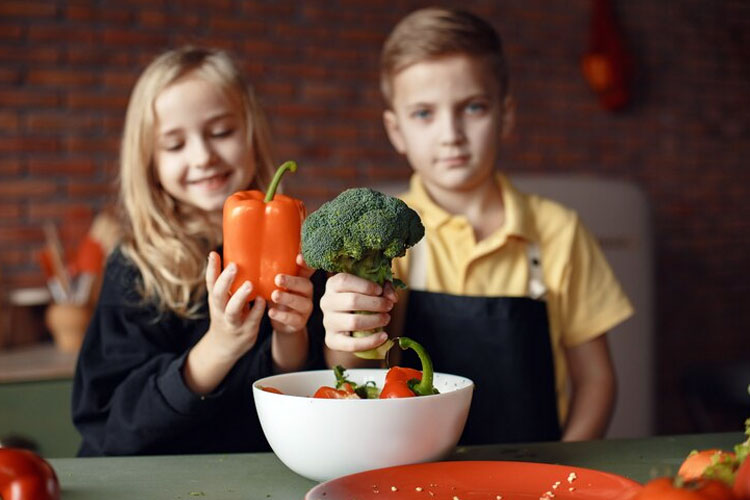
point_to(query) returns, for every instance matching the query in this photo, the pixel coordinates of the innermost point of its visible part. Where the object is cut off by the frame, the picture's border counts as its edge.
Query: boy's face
(202, 153)
(447, 118)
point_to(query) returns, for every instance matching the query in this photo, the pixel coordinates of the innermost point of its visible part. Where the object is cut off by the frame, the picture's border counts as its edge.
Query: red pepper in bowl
(326, 392)
(403, 382)
(262, 235)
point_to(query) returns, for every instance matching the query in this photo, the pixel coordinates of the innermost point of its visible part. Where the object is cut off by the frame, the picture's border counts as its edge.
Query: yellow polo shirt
(584, 298)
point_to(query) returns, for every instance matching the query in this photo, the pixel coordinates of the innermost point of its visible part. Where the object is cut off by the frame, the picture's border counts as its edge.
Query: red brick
(10, 211)
(80, 166)
(10, 75)
(275, 89)
(59, 77)
(119, 79)
(15, 257)
(153, 18)
(307, 33)
(56, 33)
(302, 71)
(27, 9)
(23, 98)
(83, 144)
(87, 100)
(265, 10)
(108, 14)
(338, 55)
(21, 234)
(301, 110)
(91, 190)
(241, 25)
(255, 47)
(11, 31)
(112, 122)
(59, 121)
(133, 38)
(9, 121)
(28, 145)
(23, 189)
(23, 279)
(215, 5)
(372, 37)
(97, 55)
(10, 166)
(29, 54)
(62, 211)
(325, 91)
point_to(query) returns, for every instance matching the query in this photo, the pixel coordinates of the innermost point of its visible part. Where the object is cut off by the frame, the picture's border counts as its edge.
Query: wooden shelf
(41, 361)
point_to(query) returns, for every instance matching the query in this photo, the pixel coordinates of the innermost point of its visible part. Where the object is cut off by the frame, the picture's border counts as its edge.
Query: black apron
(503, 345)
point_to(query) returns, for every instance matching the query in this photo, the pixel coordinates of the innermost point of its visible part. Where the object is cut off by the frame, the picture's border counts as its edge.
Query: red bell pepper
(24, 475)
(396, 382)
(262, 235)
(407, 382)
(326, 392)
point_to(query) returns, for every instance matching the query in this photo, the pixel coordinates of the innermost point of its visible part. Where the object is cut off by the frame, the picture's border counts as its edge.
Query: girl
(169, 357)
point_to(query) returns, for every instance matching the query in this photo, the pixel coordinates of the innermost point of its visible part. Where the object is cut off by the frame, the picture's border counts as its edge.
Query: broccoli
(360, 232)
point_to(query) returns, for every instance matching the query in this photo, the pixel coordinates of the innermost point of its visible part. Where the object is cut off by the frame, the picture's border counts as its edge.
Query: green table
(263, 476)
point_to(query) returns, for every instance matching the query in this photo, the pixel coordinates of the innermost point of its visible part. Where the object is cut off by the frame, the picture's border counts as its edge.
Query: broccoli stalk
(360, 232)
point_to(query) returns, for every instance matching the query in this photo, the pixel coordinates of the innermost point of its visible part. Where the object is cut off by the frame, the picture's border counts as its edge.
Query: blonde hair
(167, 240)
(435, 32)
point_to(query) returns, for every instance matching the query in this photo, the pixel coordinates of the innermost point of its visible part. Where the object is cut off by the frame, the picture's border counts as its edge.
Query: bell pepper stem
(288, 165)
(423, 387)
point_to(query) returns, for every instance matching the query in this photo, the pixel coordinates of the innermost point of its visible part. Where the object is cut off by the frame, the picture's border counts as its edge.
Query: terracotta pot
(67, 323)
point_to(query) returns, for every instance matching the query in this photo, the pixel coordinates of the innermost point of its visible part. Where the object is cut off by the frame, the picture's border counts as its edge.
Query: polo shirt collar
(517, 221)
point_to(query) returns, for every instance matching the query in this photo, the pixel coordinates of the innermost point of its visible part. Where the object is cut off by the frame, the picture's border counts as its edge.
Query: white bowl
(321, 439)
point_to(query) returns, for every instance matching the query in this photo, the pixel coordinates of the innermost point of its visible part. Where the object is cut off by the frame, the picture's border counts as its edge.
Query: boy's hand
(291, 307)
(345, 294)
(234, 328)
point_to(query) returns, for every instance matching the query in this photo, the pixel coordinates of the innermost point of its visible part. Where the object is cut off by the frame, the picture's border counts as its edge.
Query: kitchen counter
(41, 361)
(263, 476)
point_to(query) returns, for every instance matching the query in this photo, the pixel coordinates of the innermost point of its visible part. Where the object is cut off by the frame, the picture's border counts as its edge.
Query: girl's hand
(291, 307)
(345, 294)
(234, 327)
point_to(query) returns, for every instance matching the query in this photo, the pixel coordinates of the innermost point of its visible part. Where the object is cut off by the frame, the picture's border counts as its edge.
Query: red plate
(477, 481)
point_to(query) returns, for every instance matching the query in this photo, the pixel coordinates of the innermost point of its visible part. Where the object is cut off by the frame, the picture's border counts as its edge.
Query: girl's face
(202, 154)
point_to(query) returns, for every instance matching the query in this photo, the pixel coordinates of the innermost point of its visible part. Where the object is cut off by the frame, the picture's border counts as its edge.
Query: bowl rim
(258, 384)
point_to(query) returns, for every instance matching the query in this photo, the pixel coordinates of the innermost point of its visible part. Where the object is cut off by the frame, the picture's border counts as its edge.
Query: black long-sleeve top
(129, 396)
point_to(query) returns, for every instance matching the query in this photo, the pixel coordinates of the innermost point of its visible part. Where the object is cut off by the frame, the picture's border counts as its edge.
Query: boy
(507, 289)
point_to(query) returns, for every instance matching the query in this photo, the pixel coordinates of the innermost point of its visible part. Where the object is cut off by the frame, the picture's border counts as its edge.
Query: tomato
(24, 475)
(742, 481)
(665, 488)
(271, 389)
(346, 392)
(697, 461)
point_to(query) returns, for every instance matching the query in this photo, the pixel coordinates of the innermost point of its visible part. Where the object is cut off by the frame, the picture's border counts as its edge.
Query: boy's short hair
(434, 32)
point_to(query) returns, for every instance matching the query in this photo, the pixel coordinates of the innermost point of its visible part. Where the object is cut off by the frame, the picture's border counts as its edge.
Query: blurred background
(682, 137)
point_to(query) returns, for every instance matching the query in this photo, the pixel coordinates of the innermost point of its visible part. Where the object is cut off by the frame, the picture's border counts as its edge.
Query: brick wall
(66, 69)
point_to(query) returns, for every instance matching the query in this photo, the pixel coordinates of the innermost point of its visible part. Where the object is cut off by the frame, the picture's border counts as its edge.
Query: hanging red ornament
(607, 65)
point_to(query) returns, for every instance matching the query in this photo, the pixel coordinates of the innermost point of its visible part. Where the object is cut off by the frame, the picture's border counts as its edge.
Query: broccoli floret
(360, 232)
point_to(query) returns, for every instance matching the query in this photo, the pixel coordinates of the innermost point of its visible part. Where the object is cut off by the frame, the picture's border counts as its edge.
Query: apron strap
(537, 288)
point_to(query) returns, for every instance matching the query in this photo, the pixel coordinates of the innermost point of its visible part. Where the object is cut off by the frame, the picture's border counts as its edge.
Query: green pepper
(422, 387)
